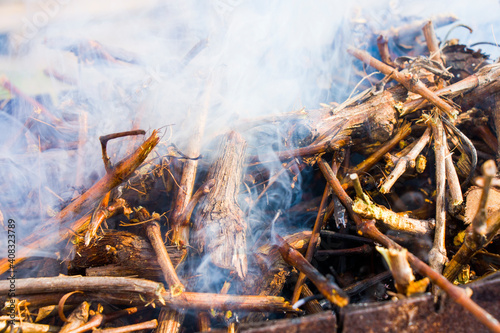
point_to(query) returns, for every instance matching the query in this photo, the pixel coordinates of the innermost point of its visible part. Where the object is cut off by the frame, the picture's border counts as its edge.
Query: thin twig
(437, 255)
(405, 162)
(313, 242)
(329, 289)
(409, 81)
(154, 234)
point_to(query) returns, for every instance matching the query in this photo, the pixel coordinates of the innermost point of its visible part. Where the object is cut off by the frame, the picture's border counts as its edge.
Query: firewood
(46, 235)
(77, 318)
(368, 228)
(126, 252)
(220, 228)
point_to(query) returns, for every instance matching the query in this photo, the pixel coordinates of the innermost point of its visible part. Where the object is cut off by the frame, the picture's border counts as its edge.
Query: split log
(220, 228)
(119, 252)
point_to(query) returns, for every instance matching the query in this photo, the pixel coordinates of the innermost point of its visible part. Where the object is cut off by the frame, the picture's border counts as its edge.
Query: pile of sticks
(419, 134)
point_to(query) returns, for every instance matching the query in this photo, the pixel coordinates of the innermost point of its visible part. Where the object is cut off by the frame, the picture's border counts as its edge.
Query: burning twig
(104, 142)
(135, 297)
(46, 236)
(331, 291)
(368, 228)
(103, 213)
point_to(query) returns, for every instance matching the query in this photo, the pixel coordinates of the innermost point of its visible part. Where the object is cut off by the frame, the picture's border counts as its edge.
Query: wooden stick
(383, 49)
(405, 162)
(363, 249)
(437, 255)
(204, 322)
(98, 284)
(147, 325)
(455, 191)
(154, 234)
(404, 280)
(408, 80)
(432, 42)
(368, 228)
(104, 212)
(329, 289)
(47, 234)
(392, 220)
(479, 222)
(120, 290)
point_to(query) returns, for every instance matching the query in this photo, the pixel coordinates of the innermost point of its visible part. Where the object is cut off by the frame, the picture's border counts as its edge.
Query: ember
(147, 182)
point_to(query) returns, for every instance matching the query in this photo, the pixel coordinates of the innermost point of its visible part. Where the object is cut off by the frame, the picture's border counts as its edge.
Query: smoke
(160, 63)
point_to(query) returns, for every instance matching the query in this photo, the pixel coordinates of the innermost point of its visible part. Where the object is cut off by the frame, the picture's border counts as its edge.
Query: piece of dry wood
(120, 290)
(147, 325)
(392, 220)
(329, 289)
(27, 327)
(87, 284)
(432, 42)
(154, 234)
(47, 234)
(220, 228)
(120, 252)
(273, 272)
(368, 228)
(170, 320)
(77, 318)
(406, 162)
(437, 255)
